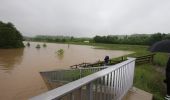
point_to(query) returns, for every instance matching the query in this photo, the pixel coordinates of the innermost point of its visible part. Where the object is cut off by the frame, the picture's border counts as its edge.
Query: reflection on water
(60, 56)
(68, 46)
(24, 80)
(10, 58)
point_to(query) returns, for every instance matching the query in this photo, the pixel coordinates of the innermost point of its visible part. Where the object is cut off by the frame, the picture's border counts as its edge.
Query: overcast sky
(86, 17)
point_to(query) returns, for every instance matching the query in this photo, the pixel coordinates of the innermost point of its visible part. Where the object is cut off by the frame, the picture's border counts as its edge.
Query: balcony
(104, 83)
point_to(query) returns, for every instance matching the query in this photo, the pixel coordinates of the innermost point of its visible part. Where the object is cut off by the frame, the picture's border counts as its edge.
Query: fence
(111, 83)
(145, 59)
(139, 60)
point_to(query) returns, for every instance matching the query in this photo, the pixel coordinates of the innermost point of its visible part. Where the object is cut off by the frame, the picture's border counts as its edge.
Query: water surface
(19, 68)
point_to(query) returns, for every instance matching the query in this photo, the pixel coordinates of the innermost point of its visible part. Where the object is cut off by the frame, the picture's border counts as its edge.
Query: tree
(135, 39)
(10, 37)
(156, 37)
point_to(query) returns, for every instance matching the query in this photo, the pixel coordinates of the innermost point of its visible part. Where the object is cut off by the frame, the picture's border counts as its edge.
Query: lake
(19, 68)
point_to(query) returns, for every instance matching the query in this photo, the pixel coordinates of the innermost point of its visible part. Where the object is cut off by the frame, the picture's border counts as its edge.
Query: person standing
(106, 60)
(167, 80)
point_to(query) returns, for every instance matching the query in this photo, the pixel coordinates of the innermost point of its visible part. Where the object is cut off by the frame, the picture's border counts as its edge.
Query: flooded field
(19, 68)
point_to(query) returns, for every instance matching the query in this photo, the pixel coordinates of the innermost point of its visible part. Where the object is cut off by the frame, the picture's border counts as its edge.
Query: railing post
(152, 58)
(122, 58)
(90, 91)
(80, 94)
(80, 72)
(71, 96)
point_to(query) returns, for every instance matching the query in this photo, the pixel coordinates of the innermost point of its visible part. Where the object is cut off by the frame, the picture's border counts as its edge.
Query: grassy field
(147, 76)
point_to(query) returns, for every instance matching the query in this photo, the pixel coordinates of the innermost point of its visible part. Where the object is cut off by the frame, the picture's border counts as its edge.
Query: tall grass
(149, 79)
(161, 59)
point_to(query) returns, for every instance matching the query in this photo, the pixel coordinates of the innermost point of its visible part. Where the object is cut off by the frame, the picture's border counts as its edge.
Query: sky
(87, 18)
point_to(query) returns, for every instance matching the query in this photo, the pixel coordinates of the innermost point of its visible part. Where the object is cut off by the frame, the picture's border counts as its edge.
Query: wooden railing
(96, 64)
(139, 60)
(80, 65)
(145, 59)
(111, 83)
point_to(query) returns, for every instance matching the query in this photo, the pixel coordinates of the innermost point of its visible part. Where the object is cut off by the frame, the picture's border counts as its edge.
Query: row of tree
(10, 37)
(135, 39)
(62, 39)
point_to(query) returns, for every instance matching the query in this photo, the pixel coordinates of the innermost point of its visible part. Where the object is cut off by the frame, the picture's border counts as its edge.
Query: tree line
(10, 37)
(59, 39)
(135, 39)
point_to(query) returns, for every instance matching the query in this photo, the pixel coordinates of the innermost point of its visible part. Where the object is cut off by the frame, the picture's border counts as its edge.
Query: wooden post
(122, 58)
(152, 57)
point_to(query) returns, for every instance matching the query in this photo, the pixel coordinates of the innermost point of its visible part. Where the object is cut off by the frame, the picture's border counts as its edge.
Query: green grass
(161, 59)
(147, 78)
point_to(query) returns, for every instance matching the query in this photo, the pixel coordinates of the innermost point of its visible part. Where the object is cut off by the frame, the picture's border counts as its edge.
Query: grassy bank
(147, 77)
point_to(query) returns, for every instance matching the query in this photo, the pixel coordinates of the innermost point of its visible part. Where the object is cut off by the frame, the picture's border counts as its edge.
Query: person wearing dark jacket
(167, 80)
(106, 60)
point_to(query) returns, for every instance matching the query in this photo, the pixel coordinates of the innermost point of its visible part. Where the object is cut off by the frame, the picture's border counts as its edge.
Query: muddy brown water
(19, 68)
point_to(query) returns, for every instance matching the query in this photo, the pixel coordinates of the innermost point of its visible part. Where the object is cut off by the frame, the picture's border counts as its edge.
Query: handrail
(149, 55)
(101, 63)
(65, 89)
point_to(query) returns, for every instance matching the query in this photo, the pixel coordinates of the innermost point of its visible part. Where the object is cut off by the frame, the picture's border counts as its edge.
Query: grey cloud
(87, 17)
